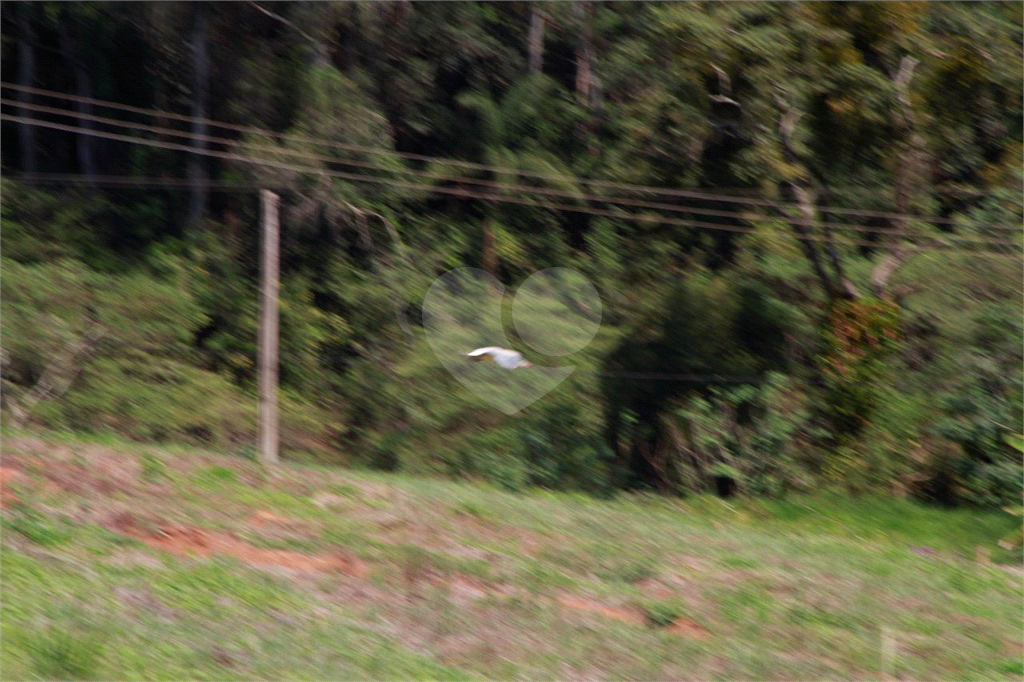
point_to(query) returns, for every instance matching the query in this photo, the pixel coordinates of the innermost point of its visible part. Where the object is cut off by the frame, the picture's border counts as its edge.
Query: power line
(131, 181)
(467, 164)
(942, 245)
(485, 183)
(936, 245)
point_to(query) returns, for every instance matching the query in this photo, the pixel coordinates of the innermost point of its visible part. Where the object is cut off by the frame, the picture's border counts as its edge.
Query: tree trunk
(584, 51)
(536, 46)
(837, 286)
(490, 254)
(321, 55)
(26, 77)
(803, 226)
(200, 95)
(909, 176)
(84, 144)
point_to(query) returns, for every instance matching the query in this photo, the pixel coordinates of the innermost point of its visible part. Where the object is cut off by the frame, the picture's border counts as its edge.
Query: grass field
(122, 561)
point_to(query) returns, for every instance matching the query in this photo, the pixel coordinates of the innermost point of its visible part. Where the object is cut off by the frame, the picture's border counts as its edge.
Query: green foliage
(989, 469)
(155, 400)
(858, 336)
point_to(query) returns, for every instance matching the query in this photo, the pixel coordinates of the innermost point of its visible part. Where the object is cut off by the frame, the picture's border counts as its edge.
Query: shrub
(976, 416)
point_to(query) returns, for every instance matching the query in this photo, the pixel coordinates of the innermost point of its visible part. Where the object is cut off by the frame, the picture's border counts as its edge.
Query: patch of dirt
(657, 588)
(576, 603)
(184, 540)
(265, 518)
(688, 628)
(9, 475)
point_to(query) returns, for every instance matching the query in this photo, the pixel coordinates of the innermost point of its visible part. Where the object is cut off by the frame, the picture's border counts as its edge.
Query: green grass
(664, 613)
(464, 583)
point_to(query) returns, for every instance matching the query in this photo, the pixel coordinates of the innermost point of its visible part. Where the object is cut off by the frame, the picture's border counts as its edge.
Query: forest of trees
(825, 196)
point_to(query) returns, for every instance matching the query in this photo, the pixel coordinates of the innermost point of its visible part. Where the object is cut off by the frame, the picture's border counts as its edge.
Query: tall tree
(583, 11)
(73, 22)
(200, 36)
(536, 45)
(26, 77)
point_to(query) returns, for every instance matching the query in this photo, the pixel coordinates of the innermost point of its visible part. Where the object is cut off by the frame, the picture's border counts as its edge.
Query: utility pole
(268, 329)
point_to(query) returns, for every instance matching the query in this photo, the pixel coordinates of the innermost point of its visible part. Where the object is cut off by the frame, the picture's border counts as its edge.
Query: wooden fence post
(268, 357)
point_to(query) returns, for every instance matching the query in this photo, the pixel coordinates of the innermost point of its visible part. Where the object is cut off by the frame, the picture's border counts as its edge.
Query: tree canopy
(823, 197)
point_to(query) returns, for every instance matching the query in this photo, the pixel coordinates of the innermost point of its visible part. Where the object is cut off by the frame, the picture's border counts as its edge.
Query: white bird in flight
(503, 357)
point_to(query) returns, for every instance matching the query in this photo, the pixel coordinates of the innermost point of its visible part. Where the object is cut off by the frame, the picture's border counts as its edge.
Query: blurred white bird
(503, 357)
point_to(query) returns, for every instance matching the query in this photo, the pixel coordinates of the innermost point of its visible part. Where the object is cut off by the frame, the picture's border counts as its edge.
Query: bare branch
(723, 100)
(906, 72)
(284, 21)
(392, 232)
(787, 125)
(399, 247)
(887, 267)
(911, 162)
(804, 226)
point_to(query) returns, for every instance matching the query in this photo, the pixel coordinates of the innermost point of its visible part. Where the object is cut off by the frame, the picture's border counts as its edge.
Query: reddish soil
(182, 539)
(262, 517)
(8, 475)
(581, 604)
(687, 628)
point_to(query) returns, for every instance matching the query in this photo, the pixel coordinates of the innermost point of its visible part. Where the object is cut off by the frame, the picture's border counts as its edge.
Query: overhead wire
(709, 378)
(146, 182)
(467, 164)
(504, 187)
(937, 244)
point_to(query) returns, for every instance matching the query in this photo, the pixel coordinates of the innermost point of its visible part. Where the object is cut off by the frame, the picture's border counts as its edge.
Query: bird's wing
(486, 350)
(507, 359)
